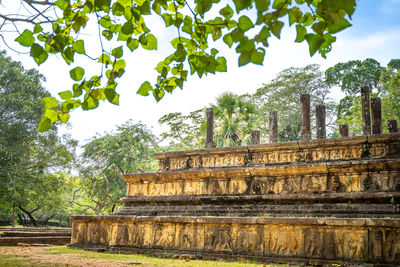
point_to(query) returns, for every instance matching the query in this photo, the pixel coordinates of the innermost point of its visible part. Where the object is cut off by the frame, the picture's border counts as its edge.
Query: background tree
(56, 27)
(390, 92)
(184, 131)
(27, 157)
(283, 95)
(234, 119)
(354, 74)
(127, 150)
(351, 76)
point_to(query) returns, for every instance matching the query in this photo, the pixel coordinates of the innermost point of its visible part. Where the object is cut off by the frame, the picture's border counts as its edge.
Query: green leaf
(314, 42)
(149, 42)
(228, 39)
(245, 23)
(226, 12)
(105, 59)
(257, 56)
(263, 35)
(77, 73)
(187, 25)
(132, 44)
(127, 28)
(295, 15)
(319, 27)
(120, 66)
(45, 124)
(63, 117)
(158, 94)
(62, 4)
(262, 5)
(278, 4)
(105, 21)
(244, 58)
(276, 28)
(79, 47)
(49, 102)
(144, 89)
(117, 52)
(221, 67)
(68, 55)
(125, 3)
(37, 28)
(301, 33)
(102, 5)
(65, 95)
(26, 38)
(342, 24)
(242, 4)
(38, 54)
(112, 96)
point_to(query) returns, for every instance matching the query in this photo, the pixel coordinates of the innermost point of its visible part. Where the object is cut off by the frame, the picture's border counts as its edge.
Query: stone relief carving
(218, 238)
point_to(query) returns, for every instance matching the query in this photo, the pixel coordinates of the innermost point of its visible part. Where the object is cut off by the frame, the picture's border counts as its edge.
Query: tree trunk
(13, 216)
(21, 220)
(29, 215)
(47, 219)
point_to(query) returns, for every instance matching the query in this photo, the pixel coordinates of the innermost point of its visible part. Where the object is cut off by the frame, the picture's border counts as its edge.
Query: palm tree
(234, 118)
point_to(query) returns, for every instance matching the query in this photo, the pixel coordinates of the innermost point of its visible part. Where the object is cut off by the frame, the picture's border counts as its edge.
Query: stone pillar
(273, 126)
(305, 117)
(392, 126)
(366, 117)
(320, 114)
(376, 115)
(344, 130)
(210, 128)
(255, 137)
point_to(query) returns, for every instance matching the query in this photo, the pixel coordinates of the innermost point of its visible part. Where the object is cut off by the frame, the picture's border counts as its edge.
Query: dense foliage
(57, 27)
(28, 158)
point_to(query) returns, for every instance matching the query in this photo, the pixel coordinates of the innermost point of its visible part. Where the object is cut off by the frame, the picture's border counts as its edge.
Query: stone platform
(319, 201)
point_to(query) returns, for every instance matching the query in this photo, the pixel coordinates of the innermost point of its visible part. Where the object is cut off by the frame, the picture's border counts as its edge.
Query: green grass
(16, 261)
(26, 260)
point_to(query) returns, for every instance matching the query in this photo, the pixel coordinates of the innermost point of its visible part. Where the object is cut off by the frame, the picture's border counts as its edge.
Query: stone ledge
(359, 222)
(355, 197)
(363, 147)
(351, 166)
(349, 141)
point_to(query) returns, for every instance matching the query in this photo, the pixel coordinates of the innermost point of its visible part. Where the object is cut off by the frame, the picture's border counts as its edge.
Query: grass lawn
(63, 256)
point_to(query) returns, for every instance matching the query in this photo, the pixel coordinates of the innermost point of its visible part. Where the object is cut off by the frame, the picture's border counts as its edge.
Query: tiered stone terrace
(318, 201)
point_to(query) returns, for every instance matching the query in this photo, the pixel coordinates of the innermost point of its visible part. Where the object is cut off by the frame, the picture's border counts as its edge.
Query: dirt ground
(60, 256)
(37, 256)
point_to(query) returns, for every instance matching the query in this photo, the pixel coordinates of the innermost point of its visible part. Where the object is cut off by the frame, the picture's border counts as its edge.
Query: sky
(375, 34)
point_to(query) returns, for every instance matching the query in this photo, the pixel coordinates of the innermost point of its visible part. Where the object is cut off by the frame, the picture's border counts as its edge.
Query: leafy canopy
(123, 26)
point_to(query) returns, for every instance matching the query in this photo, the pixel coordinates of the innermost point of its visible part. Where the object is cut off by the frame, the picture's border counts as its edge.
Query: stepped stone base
(325, 201)
(53, 240)
(287, 239)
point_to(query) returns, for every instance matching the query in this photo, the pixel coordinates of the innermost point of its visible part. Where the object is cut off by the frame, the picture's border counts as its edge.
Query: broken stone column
(392, 126)
(255, 137)
(344, 130)
(366, 117)
(305, 117)
(376, 115)
(273, 126)
(210, 128)
(320, 114)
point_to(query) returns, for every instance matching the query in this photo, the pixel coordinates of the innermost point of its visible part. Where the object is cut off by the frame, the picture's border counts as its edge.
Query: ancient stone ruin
(312, 202)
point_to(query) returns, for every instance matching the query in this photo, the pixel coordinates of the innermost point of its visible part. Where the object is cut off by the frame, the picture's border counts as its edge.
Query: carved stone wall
(356, 240)
(349, 176)
(363, 147)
